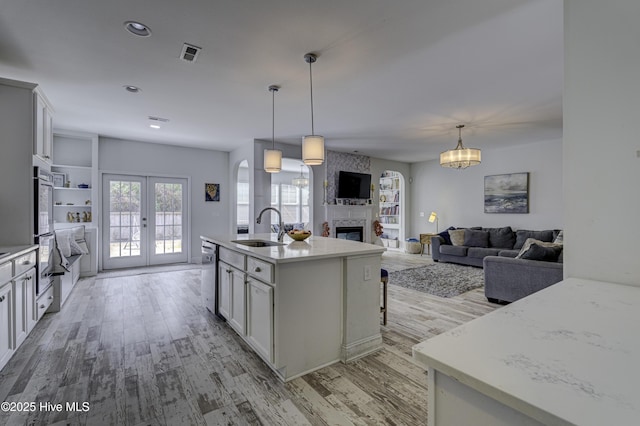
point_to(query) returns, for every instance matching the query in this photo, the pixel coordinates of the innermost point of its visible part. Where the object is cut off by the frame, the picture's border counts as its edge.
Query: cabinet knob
(26, 262)
(257, 269)
(41, 306)
(1, 298)
(50, 297)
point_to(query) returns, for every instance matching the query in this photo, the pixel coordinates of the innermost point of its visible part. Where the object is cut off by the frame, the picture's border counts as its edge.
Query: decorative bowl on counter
(299, 234)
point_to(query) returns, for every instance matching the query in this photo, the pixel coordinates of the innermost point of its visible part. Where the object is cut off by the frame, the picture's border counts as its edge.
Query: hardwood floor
(141, 350)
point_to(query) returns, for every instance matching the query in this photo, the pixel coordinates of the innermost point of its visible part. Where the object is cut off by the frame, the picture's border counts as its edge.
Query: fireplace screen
(353, 233)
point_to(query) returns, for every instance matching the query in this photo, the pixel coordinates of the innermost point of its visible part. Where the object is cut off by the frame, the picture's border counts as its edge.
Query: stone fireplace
(349, 220)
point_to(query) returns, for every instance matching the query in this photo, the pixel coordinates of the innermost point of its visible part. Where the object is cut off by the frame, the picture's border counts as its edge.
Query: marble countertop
(567, 354)
(9, 252)
(296, 251)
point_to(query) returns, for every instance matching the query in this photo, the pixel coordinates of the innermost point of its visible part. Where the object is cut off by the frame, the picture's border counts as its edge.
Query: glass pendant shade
(461, 157)
(272, 160)
(313, 150)
(300, 181)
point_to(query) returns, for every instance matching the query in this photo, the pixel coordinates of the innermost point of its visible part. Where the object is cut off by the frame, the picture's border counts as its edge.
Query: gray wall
(601, 149)
(201, 166)
(458, 195)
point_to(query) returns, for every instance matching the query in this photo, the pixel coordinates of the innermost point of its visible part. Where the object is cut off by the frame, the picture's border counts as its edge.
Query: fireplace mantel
(363, 215)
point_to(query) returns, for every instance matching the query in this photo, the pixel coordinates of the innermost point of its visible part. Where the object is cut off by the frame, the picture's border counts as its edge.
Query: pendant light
(273, 156)
(312, 145)
(300, 181)
(461, 157)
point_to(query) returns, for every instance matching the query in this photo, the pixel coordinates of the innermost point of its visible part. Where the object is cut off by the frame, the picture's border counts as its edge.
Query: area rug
(439, 279)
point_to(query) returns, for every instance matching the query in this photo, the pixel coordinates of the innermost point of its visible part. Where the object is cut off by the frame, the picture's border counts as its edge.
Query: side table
(426, 239)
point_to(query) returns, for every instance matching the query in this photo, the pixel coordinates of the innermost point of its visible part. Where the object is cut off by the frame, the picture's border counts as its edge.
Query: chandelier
(300, 181)
(461, 157)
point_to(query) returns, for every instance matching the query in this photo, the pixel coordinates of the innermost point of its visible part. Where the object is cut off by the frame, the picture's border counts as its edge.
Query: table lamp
(434, 218)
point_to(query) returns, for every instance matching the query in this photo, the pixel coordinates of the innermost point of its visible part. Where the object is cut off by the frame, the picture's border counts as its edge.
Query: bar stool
(384, 279)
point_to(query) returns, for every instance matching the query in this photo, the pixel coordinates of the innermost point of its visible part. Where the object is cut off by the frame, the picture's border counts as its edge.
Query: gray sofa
(482, 242)
(507, 279)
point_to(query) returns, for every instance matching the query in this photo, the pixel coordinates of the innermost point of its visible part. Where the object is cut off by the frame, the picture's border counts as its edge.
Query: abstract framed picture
(506, 193)
(212, 192)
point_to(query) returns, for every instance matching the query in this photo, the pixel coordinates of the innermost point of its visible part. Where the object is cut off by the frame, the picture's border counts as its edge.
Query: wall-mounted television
(354, 185)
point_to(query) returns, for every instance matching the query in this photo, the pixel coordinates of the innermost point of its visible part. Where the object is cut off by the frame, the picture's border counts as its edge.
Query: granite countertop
(567, 354)
(296, 251)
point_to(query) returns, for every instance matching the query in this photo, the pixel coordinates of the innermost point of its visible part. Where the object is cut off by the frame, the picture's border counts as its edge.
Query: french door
(145, 220)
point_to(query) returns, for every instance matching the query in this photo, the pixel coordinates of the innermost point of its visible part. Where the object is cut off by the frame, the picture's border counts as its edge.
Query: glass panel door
(147, 221)
(168, 220)
(124, 231)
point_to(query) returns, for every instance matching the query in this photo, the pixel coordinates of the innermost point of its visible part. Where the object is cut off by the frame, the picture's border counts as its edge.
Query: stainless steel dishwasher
(209, 285)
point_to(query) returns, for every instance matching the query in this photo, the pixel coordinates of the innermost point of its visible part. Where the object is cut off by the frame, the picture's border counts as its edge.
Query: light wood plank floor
(142, 351)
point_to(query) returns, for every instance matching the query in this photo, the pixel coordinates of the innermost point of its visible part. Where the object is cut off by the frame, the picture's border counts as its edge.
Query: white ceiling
(392, 80)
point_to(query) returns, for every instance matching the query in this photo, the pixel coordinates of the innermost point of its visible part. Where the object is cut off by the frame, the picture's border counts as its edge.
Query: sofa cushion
(445, 235)
(544, 253)
(523, 234)
(457, 236)
(531, 241)
(502, 237)
(508, 253)
(482, 252)
(476, 238)
(453, 250)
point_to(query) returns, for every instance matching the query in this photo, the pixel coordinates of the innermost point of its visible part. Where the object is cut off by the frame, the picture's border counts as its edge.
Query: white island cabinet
(301, 305)
(566, 355)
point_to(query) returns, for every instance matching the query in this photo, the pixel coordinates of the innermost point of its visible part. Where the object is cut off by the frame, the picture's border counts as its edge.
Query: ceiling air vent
(160, 119)
(190, 52)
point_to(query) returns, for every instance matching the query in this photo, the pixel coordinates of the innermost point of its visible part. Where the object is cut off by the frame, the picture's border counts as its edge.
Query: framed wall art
(212, 192)
(507, 193)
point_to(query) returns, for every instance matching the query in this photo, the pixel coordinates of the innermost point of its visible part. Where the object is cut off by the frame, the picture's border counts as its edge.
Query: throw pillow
(445, 235)
(502, 237)
(77, 234)
(474, 238)
(559, 238)
(59, 259)
(457, 237)
(538, 252)
(531, 241)
(523, 234)
(62, 241)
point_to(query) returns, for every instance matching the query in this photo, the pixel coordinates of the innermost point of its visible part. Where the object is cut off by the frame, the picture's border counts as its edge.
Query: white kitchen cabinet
(237, 316)
(43, 137)
(232, 296)
(23, 288)
(224, 289)
(6, 323)
(260, 317)
(17, 298)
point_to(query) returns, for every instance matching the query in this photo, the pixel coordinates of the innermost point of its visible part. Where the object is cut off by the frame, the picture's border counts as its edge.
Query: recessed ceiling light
(132, 89)
(154, 126)
(136, 28)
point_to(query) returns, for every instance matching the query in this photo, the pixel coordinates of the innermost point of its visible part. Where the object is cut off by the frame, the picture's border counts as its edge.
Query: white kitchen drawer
(5, 273)
(232, 258)
(25, 262)
(260, 269)
(44, 301)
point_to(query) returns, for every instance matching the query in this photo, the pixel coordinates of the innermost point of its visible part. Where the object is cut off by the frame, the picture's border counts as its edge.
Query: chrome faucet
(281, 230)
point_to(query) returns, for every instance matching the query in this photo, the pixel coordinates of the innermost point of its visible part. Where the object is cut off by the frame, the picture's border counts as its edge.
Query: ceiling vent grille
(190, 52)
(160, 119)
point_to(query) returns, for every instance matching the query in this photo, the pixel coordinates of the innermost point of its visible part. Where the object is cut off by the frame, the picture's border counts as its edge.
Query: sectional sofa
(516, 263)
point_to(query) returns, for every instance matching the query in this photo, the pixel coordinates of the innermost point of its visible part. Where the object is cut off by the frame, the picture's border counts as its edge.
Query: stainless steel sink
(257, 243)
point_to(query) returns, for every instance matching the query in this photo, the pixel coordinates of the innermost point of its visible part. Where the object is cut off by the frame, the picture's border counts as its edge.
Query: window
(293, 203)
(243, 203)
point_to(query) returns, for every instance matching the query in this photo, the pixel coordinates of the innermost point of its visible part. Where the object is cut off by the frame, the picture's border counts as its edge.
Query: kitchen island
(300, 305)
(566, 355)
